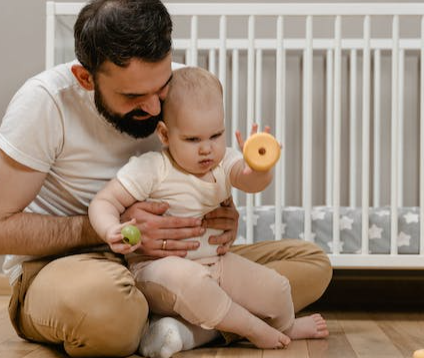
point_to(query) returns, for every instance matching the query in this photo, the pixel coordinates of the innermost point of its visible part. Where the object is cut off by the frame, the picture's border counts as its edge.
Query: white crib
(342, 87)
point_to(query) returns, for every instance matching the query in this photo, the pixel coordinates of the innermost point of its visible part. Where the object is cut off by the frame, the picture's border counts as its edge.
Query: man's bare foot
(313, 326)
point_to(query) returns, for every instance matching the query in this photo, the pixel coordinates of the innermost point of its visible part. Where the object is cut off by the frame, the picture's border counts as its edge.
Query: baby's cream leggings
(202, 293)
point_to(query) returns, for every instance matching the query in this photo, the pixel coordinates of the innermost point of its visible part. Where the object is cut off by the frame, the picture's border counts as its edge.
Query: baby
(194, 174)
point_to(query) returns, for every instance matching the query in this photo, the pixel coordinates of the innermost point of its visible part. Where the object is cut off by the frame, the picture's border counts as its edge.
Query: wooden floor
(352, 334)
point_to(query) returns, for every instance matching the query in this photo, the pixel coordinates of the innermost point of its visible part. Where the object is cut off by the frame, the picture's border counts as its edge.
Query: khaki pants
(90, 303)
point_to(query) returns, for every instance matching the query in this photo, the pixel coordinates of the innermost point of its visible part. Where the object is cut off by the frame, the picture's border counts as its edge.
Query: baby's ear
(162, 132)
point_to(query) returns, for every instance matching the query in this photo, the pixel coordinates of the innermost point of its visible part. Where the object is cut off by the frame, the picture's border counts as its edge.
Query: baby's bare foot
(313, 326)
(267, 337)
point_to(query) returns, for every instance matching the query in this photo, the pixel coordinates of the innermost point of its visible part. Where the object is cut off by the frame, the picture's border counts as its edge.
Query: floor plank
(352, 335)
(366, 337)
(4, 285)
(4, 302)
(332, 346)
(405, 330)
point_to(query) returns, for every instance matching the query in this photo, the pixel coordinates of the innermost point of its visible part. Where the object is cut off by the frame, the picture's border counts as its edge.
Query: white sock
(169, 335)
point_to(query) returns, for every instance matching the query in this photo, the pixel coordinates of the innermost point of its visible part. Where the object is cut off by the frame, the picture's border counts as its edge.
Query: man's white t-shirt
(52, 126)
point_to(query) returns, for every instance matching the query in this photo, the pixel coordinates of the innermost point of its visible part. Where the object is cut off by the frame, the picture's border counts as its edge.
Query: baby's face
(197, 137)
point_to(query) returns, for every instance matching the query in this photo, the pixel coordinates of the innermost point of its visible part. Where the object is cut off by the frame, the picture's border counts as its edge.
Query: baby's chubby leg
(192, 291)
(267, 295)
(176, 286)
(262, 335)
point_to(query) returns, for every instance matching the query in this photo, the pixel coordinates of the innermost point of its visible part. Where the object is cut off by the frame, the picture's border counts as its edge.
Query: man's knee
(321, 271)
(88, 303)
(115, 318)
(305, 264)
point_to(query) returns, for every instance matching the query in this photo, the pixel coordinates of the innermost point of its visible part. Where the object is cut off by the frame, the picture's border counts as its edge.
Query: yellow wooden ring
(261, 151)
(418, 354)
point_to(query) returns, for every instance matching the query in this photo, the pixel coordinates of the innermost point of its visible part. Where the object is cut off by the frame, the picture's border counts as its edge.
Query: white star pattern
(346, 223)
(403, 239)
(411, 218)
(330, 245)
(254, 219)
(375, 232)
(318, 215)
(283, 228)
(382, 213)
(302, 235)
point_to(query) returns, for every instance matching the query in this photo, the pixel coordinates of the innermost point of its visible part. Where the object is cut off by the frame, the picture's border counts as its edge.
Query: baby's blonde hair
(194, 84)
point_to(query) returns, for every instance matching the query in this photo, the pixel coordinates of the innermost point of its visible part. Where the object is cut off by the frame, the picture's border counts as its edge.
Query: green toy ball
(131, 234)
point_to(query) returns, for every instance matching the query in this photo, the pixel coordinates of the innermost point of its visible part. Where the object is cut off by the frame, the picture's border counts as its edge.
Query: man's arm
(33, 234)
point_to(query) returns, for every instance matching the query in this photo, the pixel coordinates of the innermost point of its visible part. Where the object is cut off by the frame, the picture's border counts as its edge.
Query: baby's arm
(105, 211)
(249, 180)
(245, 178)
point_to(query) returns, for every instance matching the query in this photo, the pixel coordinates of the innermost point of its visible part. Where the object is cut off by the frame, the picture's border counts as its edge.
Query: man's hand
(162, 236)
(223, 218)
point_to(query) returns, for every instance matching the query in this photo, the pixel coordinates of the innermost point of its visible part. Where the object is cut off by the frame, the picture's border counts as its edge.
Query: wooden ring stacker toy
(261, 151)
(418, 354)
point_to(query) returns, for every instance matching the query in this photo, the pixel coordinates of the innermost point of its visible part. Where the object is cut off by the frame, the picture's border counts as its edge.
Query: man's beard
(126, 123)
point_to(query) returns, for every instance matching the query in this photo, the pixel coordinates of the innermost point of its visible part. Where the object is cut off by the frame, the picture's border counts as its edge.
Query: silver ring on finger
(164, 244)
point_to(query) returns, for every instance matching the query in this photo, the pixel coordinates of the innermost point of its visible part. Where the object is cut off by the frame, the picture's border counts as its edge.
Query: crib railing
(251, 47)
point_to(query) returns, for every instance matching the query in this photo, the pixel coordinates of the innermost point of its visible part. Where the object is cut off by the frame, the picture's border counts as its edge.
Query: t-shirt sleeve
(31, 131)
(141, 174)
(232, 156)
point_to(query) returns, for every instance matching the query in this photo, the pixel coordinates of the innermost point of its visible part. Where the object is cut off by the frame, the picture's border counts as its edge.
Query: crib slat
(212, 61)
(307, 130)
(280, 120)
(187, 57)
(258, 106)
(193, 41)
(421, 156)
(352, 129)
(394, 137)
(377, 128)
(250, 73)
(366, 83)
(329, 81)
(223, 57)
(235, 102)
(337, 133)
(250, 113)
(400, 125)
(50, 34)
(258, 89)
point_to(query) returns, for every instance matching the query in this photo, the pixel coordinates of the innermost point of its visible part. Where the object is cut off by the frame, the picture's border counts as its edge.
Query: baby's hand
(115, 239)
(260, 151)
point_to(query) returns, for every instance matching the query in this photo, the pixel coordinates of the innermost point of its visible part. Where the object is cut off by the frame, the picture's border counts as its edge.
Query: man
(65, 134)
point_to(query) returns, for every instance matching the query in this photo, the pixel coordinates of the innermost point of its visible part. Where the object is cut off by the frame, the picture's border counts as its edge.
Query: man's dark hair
(119, 30)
